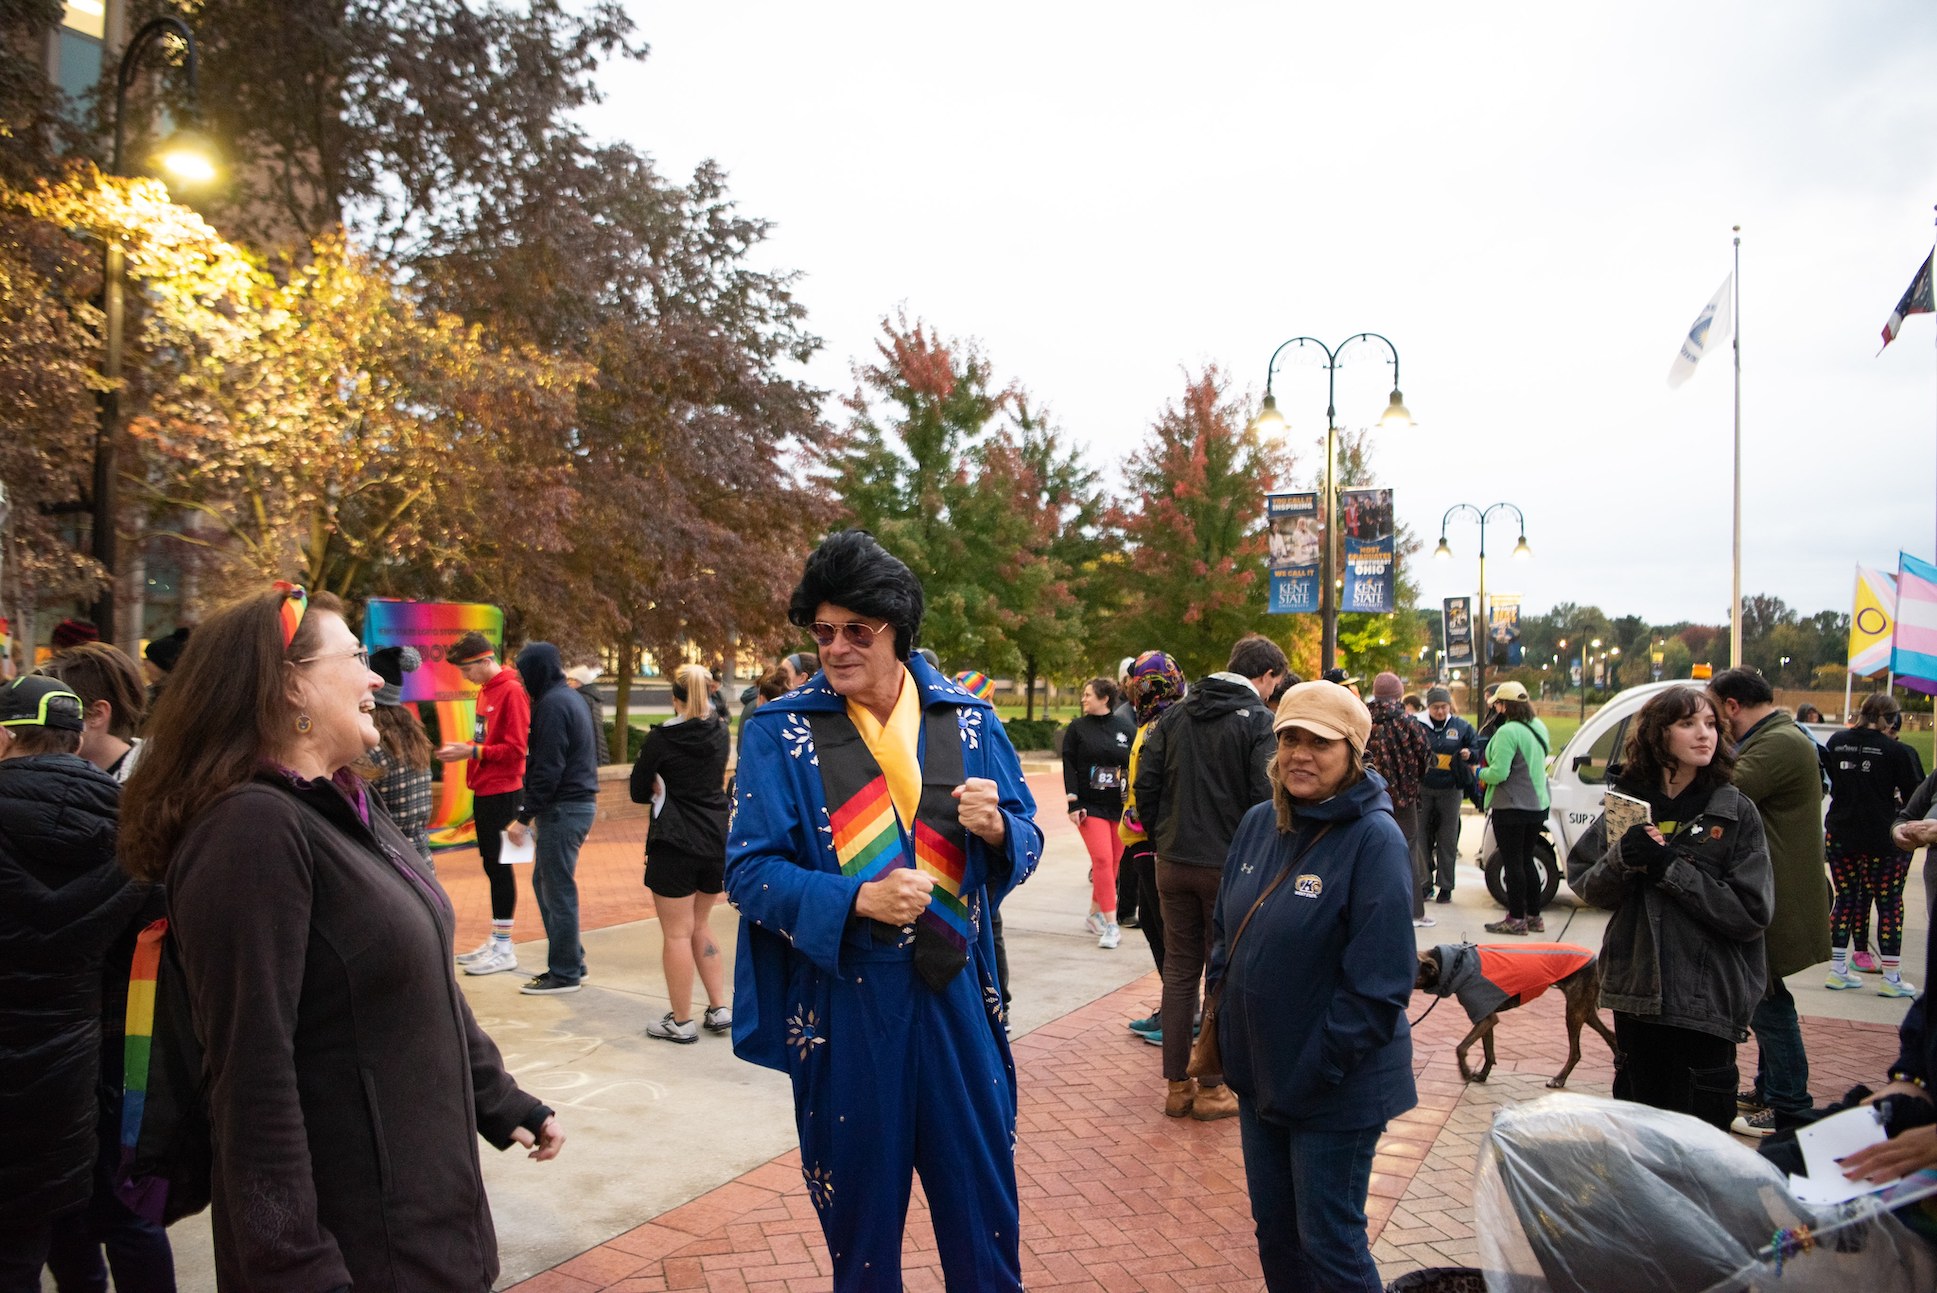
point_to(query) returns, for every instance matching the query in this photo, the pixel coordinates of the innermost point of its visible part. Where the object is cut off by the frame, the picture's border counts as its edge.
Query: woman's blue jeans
(1308, 1198)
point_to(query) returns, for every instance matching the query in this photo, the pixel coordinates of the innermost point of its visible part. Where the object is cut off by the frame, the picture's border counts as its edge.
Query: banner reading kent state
(1370, 571)
(431, 627)
(1296, 531)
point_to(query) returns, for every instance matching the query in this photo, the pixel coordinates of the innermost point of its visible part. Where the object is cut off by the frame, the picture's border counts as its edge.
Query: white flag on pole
(1713, 326)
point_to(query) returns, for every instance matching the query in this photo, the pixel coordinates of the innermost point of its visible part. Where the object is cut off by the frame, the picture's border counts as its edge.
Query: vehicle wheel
(1543, 857)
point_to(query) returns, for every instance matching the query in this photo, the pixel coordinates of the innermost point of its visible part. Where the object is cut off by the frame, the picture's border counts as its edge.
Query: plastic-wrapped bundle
(1580, 1195)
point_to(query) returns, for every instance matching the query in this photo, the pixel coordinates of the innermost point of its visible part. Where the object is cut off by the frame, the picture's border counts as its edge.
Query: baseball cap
(1339, 677)
(1510, 690)
(1327, 709)
(35, 700)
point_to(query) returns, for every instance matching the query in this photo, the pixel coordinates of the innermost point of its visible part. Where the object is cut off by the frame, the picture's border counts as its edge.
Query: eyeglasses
(361, 655)
(855, 632)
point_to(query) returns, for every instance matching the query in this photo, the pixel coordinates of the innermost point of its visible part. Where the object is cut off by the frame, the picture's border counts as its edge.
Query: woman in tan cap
(1314, 955)
(1515, 777)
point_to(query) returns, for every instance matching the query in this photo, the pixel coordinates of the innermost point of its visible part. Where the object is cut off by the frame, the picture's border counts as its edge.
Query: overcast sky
(1532, 201)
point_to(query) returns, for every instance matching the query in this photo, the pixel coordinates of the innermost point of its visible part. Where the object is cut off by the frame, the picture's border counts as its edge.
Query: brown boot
(1177, 1099)
(1214, 1102)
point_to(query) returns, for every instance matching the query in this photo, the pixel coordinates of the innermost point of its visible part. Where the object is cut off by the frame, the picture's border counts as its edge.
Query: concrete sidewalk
(680, 1170)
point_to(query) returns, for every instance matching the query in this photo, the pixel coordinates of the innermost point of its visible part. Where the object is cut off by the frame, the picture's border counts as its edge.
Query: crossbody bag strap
(1273, 888)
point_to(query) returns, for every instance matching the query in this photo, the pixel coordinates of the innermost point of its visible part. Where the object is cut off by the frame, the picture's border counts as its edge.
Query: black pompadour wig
(850, 569)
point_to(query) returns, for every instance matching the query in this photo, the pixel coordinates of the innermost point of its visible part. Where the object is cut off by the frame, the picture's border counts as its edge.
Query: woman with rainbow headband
(348, 1082)
(1156, 683)
(880, 814)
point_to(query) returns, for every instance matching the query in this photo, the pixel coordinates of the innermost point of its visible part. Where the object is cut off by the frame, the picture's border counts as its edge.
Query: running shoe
(1508, 926)
(1865, 962)
(718, 1019)
(1424, 922)
(1148, 1024)
(477, 953)
(1842, 982)
(1112, 936)
(668, 1029)
(1094, 923)
(1896, 988)
(493, 962)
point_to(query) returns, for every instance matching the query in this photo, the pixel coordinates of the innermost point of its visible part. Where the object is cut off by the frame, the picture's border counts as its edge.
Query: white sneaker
(1094, 923)
(718, 1019)
(1111, 936)
(668, 1029)
(493, 962)
(477, 953)
(1424, 922)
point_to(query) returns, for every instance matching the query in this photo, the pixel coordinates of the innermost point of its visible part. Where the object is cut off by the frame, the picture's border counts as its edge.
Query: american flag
(1916, 300)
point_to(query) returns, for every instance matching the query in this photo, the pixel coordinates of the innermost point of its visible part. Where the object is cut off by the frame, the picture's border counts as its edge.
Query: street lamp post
(187, 157)
(1483, 647)
(1596, 645)
(1269, 419)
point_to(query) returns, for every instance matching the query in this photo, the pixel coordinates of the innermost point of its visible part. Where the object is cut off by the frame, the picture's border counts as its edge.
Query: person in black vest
(880, 815)
(64, 907)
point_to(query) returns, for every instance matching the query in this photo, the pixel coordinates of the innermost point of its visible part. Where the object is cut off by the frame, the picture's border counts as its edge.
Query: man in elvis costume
(880, 814)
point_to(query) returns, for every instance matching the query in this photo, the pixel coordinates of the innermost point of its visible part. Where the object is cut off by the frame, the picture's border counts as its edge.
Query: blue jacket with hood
(562, 765)
(1313, 1018)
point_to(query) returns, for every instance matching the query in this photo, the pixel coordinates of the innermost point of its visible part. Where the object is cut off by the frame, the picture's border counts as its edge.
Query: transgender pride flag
(1915, 656)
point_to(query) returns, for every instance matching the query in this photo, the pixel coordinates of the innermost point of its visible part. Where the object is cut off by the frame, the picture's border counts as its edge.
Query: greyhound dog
(1491, 978)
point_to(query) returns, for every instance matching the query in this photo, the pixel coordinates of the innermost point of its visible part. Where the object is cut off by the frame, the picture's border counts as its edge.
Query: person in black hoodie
(1202, 766)
(561, 797)
(64, 905)
(681, 772)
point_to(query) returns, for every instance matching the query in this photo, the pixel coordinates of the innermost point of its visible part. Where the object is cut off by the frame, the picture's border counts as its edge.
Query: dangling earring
(303, 724)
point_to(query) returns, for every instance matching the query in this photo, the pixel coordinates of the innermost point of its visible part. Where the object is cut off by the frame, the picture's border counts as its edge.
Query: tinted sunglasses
(855, 632)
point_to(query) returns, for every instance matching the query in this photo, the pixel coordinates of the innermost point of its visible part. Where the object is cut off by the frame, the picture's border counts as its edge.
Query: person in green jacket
(1776, 767)
(1515, 777)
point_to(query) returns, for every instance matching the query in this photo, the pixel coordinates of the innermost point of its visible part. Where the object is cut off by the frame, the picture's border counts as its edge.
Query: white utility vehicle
(1578, 775)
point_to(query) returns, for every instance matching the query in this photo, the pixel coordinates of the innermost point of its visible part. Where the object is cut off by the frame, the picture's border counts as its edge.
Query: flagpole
(1849, 672)
(1735, 602)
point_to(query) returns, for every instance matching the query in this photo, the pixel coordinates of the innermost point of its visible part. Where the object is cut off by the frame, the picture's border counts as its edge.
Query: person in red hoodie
(494, 768)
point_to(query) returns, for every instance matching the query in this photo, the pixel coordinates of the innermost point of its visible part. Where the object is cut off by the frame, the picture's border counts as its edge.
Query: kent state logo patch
(1308, 886)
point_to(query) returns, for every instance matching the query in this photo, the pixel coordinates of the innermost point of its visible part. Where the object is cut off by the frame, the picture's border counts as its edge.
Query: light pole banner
(1370, 571)
(1459, 632)
(431, 627)
(1503, 630)
(1297, 530)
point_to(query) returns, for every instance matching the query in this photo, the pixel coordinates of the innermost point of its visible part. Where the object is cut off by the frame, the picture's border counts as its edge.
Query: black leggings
(491, 814)
(1518, 875)
(1150, 918)
(1677, 1069)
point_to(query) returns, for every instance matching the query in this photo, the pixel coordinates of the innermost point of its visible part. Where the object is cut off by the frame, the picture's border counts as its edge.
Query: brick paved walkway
(1117, 1197)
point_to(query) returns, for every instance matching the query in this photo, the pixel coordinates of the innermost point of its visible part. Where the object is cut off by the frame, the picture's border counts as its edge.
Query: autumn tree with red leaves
(1190, 576)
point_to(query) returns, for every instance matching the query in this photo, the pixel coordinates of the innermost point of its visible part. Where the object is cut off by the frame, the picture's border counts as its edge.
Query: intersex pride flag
(431, 627)
(1873, 621)
(1915, 655)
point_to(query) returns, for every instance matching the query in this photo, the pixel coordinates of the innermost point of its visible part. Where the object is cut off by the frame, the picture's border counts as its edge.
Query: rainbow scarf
(868, 837)
(138, 1038)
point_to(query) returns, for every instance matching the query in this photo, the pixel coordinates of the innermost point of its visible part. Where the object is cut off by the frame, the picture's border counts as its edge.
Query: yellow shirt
(896, 747)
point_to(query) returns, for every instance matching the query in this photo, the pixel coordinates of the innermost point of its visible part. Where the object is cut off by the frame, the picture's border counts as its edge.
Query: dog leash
(1427, 1011)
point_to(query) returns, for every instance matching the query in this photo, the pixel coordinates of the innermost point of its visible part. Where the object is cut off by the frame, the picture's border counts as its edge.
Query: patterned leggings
(1862, 879)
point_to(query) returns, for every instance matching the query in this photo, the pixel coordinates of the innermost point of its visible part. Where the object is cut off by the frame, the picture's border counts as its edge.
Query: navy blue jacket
(1448, 739)
(562, 765)
(1313, 1019)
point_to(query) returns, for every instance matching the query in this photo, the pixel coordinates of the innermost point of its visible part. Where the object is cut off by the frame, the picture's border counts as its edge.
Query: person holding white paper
(1691, 891)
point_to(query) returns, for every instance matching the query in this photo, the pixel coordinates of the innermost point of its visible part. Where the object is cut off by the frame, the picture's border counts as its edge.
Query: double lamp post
(1483, 639)
(1271, 422)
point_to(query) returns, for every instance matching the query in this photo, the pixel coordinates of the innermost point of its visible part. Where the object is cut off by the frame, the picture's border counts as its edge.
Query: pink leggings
(1099, 837)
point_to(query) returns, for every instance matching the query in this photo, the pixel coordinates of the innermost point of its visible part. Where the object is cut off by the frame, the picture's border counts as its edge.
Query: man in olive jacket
(1777, 768)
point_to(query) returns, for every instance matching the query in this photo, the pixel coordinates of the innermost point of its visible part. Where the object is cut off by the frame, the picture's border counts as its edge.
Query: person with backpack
(347, 1080)
(1515, 777)
(1400, 750)
(65, 906)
